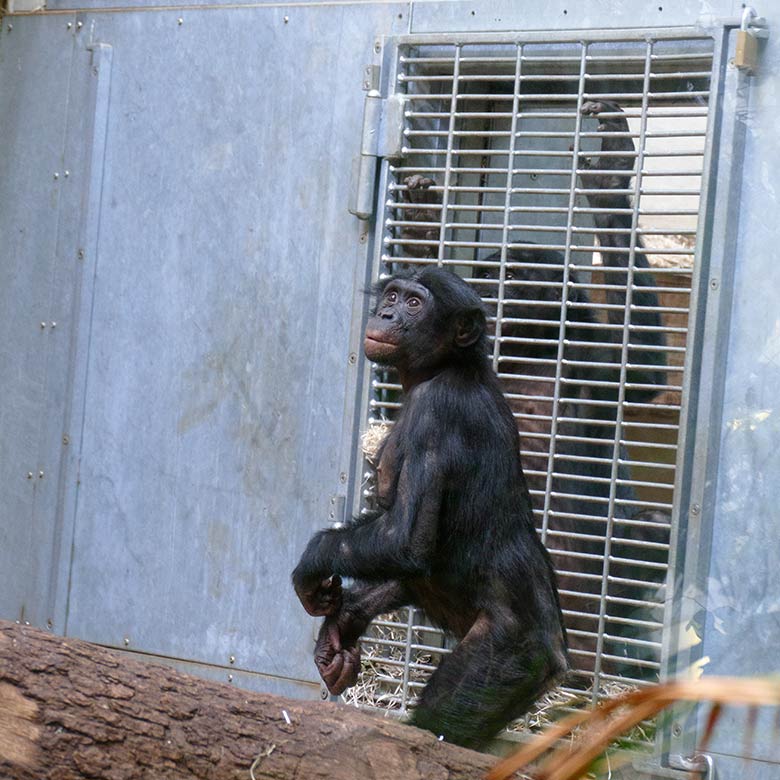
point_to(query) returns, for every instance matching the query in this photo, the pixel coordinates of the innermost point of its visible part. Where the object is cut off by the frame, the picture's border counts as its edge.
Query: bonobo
(455, 536)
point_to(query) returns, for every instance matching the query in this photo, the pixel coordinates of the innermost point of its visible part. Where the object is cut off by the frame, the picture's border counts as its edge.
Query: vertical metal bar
(623, 362)
(448, 164)
(564, 288)
(407, 658)
(507, 205)
(701, 426)
(83, 301)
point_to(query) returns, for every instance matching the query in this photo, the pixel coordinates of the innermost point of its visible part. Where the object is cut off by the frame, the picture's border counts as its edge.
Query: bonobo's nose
(387, 314)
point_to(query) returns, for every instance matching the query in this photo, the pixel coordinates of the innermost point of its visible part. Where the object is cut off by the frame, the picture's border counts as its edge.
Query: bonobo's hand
(337, 657)
(320, 597)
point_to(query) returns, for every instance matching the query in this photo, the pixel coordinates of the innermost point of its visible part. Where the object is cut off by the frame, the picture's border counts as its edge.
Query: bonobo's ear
(469, 327)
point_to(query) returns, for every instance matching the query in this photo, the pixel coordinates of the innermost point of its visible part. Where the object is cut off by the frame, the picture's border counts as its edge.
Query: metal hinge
(700, 766)
(382, 137)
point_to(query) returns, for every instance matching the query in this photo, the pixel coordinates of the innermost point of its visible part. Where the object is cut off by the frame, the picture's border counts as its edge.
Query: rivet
(323, 694)
(66, 439)
(676, 730)
(363, 238)
(43, 325)
(180, 21)
(49, 624)
(286, 19)
(10, 27)
(714, 284)
(81, 254)
(232, 659)
(70, 25)
(53, 325)
(126, 640)
(79, 25)
(230, 678)
(67, 173)
(56, 175)
(40, 475)
(29, 475)
(695, 509)
(352, 358)
(377, 47)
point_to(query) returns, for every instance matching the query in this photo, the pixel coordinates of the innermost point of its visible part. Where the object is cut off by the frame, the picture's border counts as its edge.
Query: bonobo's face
(401, 321)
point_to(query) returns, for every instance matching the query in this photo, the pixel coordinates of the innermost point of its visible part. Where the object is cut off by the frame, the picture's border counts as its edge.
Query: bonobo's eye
(413, 303)
(391, 297)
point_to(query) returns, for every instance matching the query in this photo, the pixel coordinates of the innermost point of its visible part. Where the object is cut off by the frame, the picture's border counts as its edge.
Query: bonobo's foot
(609, 143)
(320, 597)
(418, 189)
(337, 659)
(418, 192)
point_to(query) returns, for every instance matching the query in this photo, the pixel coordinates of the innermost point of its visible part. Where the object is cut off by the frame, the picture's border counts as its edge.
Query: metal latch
(382, 136)
(752, 28)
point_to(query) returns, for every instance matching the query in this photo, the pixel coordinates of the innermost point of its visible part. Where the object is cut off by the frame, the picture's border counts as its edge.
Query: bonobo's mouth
(378, 345)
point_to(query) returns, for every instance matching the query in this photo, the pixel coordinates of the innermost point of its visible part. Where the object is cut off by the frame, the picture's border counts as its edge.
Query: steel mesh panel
(589, 345)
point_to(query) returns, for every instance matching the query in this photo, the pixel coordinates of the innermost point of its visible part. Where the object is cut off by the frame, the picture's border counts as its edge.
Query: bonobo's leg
(337, 652)
(494, 675)
(615, 214)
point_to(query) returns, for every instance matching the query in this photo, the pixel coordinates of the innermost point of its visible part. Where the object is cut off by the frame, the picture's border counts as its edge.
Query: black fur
(456, 536)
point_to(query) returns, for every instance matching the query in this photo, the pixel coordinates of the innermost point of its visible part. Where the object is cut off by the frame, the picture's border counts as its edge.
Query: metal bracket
(382, 137)
(700, 763)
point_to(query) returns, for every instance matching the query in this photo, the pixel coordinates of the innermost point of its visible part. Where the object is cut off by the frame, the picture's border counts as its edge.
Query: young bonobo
(456, 536)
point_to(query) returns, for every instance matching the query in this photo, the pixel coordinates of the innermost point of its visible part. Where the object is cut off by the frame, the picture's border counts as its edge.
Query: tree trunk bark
(69, 709)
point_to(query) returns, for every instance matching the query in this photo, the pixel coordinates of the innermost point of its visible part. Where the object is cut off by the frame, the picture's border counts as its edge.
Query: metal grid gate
(560, 177)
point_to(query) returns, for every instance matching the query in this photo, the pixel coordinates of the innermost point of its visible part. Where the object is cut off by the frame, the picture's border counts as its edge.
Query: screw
(714, 284)
(323, 694)
(676, 729)
(363, 238)
(695, 509)
(342, 477)
(66, 439)
(352, 358)
(377, 47)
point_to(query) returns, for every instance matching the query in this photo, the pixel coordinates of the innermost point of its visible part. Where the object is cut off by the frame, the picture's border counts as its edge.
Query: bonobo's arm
(394, 545)
(616, 215)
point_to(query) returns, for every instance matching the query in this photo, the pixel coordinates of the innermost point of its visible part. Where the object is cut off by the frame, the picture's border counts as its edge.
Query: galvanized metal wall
(179, 298)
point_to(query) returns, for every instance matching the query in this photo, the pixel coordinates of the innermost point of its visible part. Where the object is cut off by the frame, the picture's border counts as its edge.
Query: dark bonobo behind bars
(455, 534)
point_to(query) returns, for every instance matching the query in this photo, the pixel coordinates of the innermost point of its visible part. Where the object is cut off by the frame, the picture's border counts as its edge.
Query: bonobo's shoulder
(455, 395)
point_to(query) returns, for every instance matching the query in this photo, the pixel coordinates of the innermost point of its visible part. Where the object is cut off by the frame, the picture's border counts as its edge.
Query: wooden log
(70, 709)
